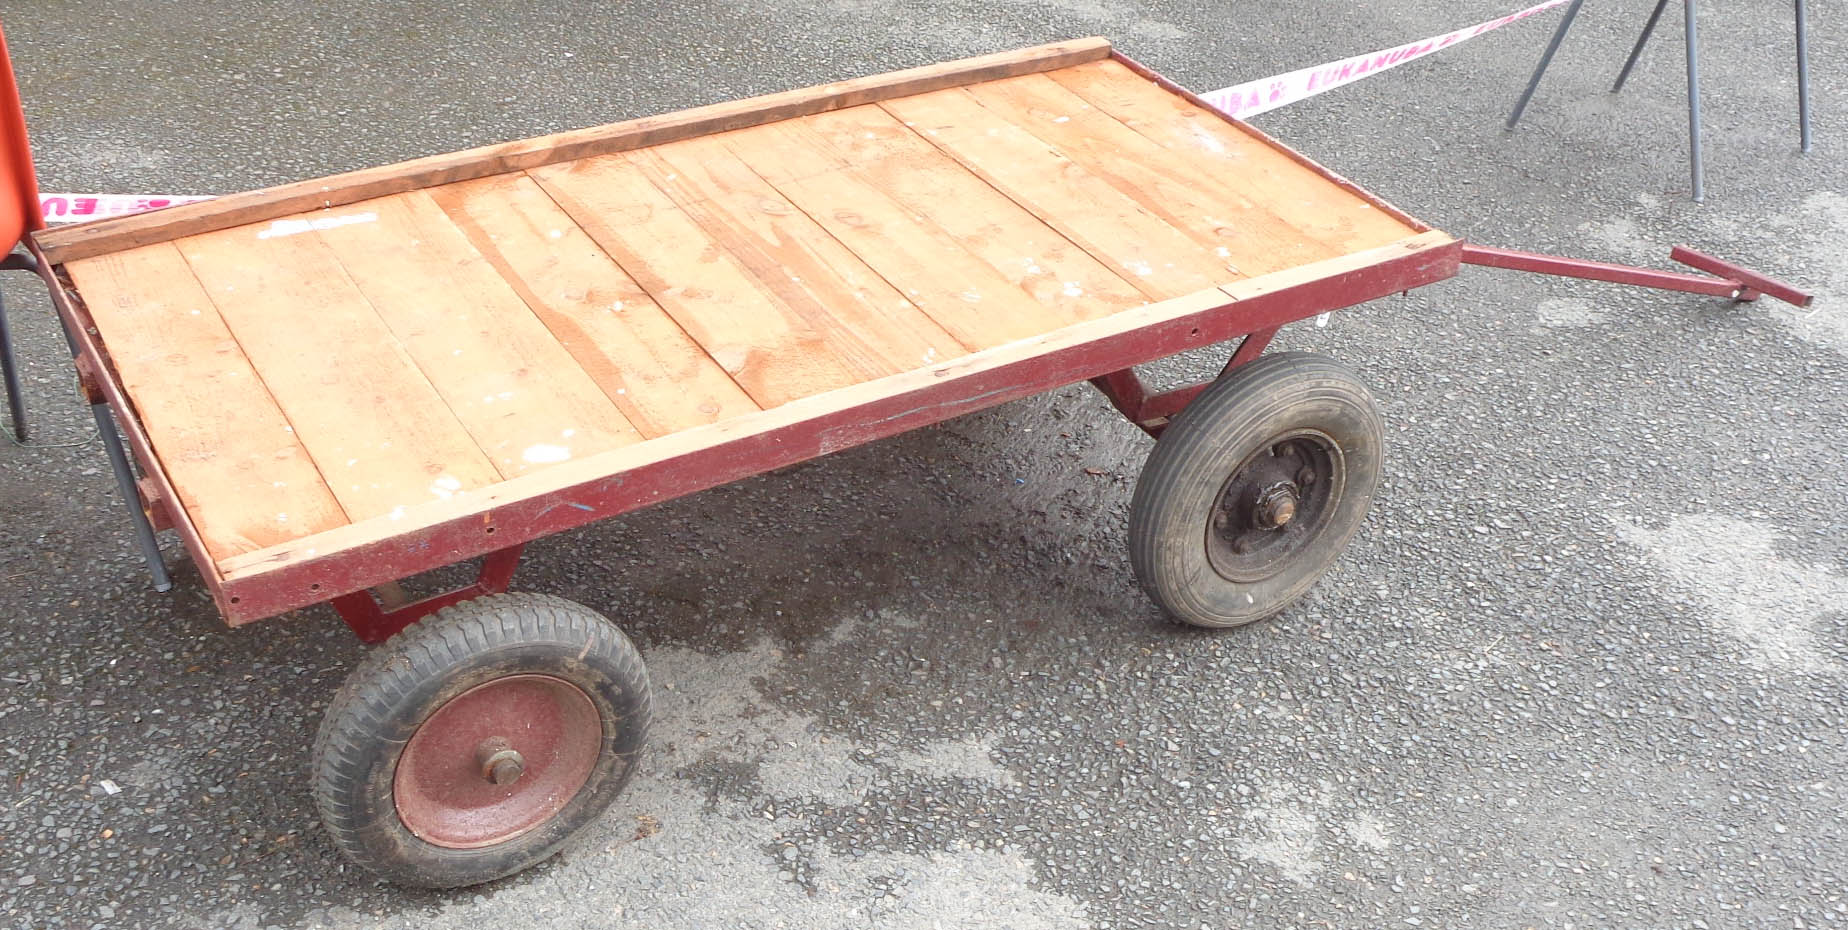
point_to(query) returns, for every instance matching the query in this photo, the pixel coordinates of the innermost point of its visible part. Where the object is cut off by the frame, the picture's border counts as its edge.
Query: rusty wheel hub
(496, 761)
(500, 762)
(1276, 506)
(1275, 501)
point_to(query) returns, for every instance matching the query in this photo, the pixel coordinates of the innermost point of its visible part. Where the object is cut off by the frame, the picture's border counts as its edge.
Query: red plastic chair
(19, 194)
(19, 214)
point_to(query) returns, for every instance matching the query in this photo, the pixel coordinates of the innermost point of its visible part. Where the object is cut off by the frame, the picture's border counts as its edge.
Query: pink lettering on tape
(75, 208)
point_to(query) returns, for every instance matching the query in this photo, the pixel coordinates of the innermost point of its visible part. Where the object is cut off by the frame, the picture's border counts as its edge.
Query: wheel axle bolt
(1276, 507)
(1306, 477)
(500, 762)
(508, 770)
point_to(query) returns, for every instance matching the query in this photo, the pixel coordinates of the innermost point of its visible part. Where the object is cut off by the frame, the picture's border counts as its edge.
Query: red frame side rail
(318, 578)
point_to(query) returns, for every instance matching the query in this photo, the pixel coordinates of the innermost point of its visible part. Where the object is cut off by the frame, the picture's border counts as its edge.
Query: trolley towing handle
(1725, 279)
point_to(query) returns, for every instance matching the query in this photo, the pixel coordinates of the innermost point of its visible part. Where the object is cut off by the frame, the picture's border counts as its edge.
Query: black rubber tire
(405, 680)
(1238, 417)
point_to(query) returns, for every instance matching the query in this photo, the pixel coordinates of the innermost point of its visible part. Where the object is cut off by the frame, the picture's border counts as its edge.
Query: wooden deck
(297, 374)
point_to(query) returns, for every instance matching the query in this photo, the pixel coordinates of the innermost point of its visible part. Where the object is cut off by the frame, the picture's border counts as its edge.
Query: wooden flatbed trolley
(332, 385)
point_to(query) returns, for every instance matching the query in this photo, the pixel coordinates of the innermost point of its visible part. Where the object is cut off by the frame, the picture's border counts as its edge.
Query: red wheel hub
(496, 761)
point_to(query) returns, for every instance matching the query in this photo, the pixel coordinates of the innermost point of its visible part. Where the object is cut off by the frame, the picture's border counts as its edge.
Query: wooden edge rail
(86, 240)
(361, 555)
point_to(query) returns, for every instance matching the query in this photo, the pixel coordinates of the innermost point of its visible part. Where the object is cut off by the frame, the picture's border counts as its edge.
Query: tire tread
(388, 676)
(1192, 446)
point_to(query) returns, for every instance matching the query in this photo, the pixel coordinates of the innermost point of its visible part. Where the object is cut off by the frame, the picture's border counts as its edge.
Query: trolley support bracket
(374, 622)
(1151, 412)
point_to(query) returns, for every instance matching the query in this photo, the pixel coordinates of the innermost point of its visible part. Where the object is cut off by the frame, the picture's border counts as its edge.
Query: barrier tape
(75, 208)
(1240, 100)
(1265, 94)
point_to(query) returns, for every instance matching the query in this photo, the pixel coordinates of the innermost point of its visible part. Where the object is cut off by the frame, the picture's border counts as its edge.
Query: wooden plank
(860, 315)
(381, 436)
(1158, 259)
(1253, 238)
(1238, 158)
(985, 221)
(1006, 275)
(517, 391)
(236, 465)
(653, 372)
(79, 241)
(771, 352)
(959, 291)
(1433, 251)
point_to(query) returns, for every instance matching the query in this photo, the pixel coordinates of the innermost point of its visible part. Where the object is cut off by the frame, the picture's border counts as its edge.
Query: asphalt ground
(1584, 666)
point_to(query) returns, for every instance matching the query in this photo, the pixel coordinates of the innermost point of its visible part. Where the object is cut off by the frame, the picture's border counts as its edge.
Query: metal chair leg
(1559, 35)
(1642, 40)
(1803, 89)
(125, 485)
(1694, 159)
(131, 496)
(9, 370)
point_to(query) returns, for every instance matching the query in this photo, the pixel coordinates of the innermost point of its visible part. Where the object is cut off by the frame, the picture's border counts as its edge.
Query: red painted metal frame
(1752, 280)
(1151, 412)
(1561, 266)
(374, 623)
(319, 578)
(1740, 284)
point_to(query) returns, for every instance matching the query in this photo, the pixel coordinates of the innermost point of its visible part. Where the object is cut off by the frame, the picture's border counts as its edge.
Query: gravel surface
(1584, 666)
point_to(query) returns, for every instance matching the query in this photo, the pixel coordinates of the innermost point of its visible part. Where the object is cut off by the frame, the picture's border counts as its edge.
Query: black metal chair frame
(105, 429)
(1695, 167)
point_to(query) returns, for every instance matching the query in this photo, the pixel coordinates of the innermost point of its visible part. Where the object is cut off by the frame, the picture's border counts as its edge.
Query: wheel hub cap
(500, 762)
(496, 761)
(1276, 506)
(1273, 505)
